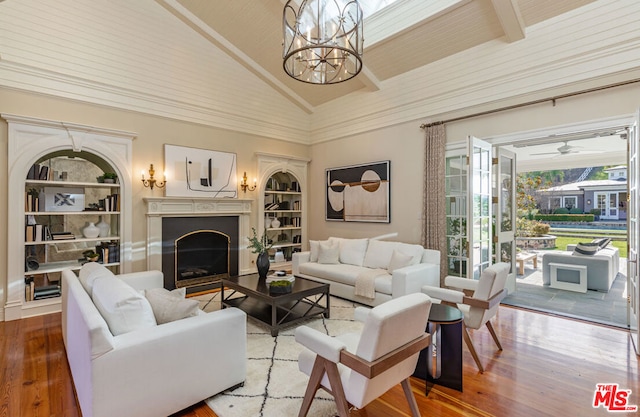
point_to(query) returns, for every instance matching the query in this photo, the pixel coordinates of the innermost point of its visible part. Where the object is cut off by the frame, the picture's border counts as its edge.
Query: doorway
(575, 150)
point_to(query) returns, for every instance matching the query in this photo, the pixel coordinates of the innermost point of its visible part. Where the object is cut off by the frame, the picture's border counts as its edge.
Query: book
(44, 173)
(34, 172)
(29, 234)
(39, 233)
(62, 236)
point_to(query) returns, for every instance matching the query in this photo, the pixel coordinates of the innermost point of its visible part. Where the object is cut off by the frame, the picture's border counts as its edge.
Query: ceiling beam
(243, 59)
(510, 18)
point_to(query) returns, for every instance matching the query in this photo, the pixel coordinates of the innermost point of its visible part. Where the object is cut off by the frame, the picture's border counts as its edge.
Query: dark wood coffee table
(306, 299)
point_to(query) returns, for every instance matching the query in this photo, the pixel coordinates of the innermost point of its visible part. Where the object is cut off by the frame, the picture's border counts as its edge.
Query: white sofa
(155, 370)
(356, 256)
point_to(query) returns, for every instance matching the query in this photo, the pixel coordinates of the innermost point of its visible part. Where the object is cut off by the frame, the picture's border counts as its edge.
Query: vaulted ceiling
(404, 36)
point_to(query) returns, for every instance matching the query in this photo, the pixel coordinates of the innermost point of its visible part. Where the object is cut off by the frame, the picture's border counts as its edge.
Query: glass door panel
(479, 173)
(633, 231)
(505, 213)
(456, 212)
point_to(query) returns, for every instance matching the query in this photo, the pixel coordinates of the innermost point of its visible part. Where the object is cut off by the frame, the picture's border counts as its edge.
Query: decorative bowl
(280, 287)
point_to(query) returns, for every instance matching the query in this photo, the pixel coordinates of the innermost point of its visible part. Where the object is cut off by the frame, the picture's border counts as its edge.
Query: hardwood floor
(549, 366)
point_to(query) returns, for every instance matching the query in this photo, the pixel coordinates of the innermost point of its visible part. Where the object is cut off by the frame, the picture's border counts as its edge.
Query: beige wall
(152, 133)
(403, 145)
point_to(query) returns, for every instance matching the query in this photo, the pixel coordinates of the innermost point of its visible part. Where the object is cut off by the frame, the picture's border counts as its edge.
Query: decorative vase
(91, 231)
(105, 229)
(275, 223)
(263, 264)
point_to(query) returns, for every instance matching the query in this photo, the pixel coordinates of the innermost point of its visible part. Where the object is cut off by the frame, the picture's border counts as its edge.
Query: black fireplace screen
(201, 257)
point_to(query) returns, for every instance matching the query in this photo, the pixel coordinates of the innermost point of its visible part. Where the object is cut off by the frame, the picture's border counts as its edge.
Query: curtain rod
(530, 103)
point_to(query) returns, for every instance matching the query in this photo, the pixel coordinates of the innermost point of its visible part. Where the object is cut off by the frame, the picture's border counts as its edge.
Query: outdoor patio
(600, 307)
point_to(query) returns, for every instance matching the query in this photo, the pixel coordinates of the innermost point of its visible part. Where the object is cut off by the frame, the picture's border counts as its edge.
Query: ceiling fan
(562, 150)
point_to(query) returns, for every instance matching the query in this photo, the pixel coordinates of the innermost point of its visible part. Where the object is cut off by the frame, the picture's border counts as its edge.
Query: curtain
(433, 210)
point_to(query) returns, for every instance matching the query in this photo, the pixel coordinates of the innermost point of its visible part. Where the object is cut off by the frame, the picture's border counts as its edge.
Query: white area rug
(274, 386)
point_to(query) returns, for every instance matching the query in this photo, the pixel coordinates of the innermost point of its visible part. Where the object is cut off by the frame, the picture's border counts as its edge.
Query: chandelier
(322, 40)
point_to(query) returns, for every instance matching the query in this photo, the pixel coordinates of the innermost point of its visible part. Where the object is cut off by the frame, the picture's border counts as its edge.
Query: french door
(480, 205)
(470, 185)
(633, 224)
(504, 199)
(608, 205)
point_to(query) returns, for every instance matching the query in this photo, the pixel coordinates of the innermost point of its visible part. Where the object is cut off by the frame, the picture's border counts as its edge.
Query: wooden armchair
(478, 300)
(358, 368)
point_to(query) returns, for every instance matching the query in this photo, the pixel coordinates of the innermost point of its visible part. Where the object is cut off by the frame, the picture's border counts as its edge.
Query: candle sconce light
(244, 184)
(152, 182)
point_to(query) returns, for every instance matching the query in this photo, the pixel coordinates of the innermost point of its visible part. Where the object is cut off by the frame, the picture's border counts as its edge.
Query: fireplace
(201, 257)
(169, 218)
(198, 252)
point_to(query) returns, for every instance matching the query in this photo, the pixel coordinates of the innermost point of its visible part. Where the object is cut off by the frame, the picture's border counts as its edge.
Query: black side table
(441, 362)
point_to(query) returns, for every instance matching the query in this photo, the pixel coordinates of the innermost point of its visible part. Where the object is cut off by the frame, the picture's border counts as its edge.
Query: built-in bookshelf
(62, 198)
(59, 170)
(283, 206)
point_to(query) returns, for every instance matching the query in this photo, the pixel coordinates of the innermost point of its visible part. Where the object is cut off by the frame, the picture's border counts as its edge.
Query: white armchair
(358, 368)
(478, 300)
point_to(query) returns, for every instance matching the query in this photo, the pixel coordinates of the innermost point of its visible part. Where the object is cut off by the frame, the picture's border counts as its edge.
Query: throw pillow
(399, 260)
(328, 253)
(122, 307)
(352, 251)
(169, 306)
(313, 249)
(586, 248)
(602, 242)
(379, 254)
(90, 272)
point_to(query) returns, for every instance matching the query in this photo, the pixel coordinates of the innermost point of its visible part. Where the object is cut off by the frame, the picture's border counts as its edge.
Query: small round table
(441, 362)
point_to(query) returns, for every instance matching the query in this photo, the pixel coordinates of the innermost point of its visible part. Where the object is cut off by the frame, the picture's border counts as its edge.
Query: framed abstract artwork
(193, 172)
(359, 193)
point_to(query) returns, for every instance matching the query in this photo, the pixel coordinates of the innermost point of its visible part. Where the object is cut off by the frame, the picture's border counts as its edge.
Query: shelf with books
(75, 239)
(282, 204)
(58, 266)
(70, 184)
(57, 211)
(70, 160)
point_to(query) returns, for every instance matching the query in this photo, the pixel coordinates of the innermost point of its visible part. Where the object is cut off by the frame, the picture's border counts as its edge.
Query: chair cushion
(90, 272)
(169, 306)
(328, 253)
(122, 307)
(590, 248)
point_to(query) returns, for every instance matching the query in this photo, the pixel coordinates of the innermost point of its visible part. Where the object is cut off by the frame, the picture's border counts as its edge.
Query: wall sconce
(244, 184)
(151, 182)
(588, 202)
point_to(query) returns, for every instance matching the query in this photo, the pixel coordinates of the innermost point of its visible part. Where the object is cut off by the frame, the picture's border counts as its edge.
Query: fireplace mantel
(159, 207)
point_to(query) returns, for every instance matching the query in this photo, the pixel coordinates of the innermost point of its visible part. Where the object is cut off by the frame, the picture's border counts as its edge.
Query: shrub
(564, 217)
(561, 210)
(575, 210)
(530, 228)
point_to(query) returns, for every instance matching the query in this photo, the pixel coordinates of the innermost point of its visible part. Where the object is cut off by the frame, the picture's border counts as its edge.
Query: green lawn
(562, 242)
